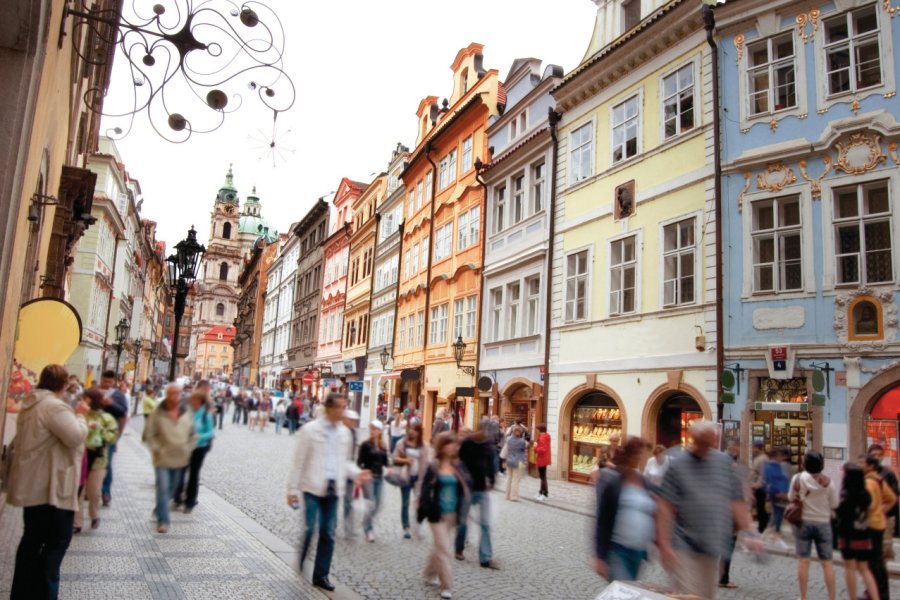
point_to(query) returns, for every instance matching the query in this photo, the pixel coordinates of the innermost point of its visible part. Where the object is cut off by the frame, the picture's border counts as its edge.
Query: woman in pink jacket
(542, 459)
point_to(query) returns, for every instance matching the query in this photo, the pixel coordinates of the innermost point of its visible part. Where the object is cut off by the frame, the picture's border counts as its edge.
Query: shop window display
(782, 417)
(596, 418)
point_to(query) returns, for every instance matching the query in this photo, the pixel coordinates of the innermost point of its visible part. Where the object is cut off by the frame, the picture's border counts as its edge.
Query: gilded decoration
(890, 322)
(854, 106)
(748, 177)
(860, 153)
(775, 177)
(773, 125)
(892, 151)
(891, 10)
(810, 19)
(739, 46)
(815, 185)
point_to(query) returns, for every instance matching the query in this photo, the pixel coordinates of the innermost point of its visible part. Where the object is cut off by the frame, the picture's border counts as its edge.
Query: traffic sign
(308, 379)
(356, 386)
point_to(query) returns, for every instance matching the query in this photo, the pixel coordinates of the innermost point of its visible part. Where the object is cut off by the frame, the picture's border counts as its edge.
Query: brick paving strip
(214, 552)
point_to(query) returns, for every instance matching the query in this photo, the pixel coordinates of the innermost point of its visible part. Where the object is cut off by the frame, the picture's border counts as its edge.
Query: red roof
(212, 335)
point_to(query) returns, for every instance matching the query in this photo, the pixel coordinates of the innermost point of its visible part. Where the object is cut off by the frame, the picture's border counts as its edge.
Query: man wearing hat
(351, 422)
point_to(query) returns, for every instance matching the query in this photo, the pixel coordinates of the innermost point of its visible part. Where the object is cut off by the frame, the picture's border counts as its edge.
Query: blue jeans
(624, 563)
(168, 482)
(372, 492)
(107, 481)
(323, 508)
(349, 488)
(292, 426)
(395, 439)
(48, 531)
(777, 513)
(405, 492)
(279, 422)
(483, 500)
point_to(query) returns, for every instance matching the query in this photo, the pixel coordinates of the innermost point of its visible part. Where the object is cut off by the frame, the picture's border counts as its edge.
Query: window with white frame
(414, 263)
(517, 212)
(443, 238)
(679, 249)
(442, 173)
(622, 276)
(580, 163)
(625, 122)
(513, 306)
(497, 314)
(678, 101)
(576, 286)
(467, 228)
(771, 74)
(412, 203)
(401, 338)
(862, 234)
(499, 208)
(429, 183)
(777, 248)
(471, 314)
(411, 332)
(407, 263)
(537, 187)
(467, 154)
(853, 51)
(451, 167)
(457, 319)
(420, 327)
(532, 305)
(437, 326)
(426, 248)
(419, 195)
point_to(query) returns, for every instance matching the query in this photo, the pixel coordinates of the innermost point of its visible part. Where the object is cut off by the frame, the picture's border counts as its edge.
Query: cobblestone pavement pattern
(543, 551)
(206, 554)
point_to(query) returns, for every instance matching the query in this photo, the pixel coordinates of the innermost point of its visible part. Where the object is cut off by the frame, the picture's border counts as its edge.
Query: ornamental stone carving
(776, 176)
(859, 153)
(890, 321)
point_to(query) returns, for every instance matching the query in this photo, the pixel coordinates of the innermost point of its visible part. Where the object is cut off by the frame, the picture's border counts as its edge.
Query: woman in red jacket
(542, 459)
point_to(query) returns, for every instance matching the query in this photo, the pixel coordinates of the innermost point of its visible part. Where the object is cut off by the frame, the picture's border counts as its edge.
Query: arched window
(226, 231)
(220, 310)
(223, 271)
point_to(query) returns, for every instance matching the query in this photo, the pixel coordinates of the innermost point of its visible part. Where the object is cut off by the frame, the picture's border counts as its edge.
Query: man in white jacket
(322, 462)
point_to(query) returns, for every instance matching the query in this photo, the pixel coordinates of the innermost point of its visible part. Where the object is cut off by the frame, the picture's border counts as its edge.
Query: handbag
(398, 476)
(504, 451)
(793, 514)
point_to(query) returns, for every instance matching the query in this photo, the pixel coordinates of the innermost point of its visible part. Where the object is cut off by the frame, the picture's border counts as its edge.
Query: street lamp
(136, 344)
(182, 271)
(121, 335)
(459, 350)
(385, 357)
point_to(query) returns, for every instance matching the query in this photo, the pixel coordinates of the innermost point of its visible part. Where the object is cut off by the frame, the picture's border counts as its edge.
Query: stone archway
(861, 405)
(561, 458)
(656, 400)
(513, 387)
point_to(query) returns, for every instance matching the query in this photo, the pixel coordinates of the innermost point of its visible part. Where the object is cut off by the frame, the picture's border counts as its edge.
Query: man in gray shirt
(701, 504)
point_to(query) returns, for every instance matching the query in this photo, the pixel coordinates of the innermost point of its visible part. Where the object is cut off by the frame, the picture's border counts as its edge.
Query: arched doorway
(883, 425)
(873, 407)
(596, 420)
(676, 414)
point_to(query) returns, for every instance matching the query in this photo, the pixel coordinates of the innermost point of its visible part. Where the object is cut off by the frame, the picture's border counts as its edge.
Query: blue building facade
(811, 223)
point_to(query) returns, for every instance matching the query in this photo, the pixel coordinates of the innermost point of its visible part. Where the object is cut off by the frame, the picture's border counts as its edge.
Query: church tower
(252, 226)
(217, 288)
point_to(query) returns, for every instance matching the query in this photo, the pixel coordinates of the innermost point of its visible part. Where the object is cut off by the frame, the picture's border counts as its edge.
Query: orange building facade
(441, 255)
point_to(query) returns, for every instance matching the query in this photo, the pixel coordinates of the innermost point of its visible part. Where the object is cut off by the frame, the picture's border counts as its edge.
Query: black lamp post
(136, 344)
(121, 335)
(459, 351)
(385, 357)
(182, 271)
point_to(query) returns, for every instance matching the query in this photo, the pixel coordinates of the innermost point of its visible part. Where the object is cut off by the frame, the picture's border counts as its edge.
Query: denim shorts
(820, 533)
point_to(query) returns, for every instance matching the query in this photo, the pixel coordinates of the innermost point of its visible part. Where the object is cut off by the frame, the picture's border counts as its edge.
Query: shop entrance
(882, 426)
(596, 417)
(782, 417)
(676, 414)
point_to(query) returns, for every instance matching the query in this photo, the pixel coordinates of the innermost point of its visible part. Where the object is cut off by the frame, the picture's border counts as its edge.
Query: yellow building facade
(634, 240)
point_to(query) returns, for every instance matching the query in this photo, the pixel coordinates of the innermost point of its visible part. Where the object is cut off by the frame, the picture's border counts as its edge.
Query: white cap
(351, 414)
(376, 424)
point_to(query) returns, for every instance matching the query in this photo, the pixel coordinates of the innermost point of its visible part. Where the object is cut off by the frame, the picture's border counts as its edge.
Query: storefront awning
(391, 375)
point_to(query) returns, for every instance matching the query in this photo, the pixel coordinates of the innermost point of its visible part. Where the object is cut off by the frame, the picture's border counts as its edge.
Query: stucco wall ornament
(815, 185)
(776, 176)
(773, 125)
(890, 321)
(892, 151)
(891, 10)
(860, 153)
(739, 46)
(748, 178)
(812, 20)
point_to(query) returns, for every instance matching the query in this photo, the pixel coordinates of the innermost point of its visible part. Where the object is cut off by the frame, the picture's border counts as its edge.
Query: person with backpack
(884, 500)
(778, 478)
(817, 497)
(853, 538)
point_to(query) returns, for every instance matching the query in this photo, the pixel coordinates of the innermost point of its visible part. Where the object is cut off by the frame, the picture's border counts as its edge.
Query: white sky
(360, 68)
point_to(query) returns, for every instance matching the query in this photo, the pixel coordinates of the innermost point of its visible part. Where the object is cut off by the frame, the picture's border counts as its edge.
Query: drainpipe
(434, 183)
(479, 169)
(709, 24)
(553, 119)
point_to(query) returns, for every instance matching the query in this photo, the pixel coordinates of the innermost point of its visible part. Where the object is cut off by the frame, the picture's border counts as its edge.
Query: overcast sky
(360, 68)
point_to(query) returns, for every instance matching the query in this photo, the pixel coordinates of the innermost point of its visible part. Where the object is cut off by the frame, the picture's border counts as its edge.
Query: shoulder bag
(793, 514)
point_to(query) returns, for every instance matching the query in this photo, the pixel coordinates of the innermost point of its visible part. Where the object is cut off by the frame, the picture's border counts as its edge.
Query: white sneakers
(446, 595)
(540, 498)
(370, 537)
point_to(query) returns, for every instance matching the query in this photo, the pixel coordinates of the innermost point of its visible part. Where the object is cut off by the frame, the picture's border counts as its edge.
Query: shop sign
(782, 406)
(465, 392)
(356, 386)
(819, 383)
(409, 374)
(728, 382)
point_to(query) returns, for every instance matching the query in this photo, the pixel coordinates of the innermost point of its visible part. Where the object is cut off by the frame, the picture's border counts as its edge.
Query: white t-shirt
(414, 455)
(398, 430)
(654, 471)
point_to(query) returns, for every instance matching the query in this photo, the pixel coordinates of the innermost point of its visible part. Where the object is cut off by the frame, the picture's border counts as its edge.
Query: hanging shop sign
(726, 395)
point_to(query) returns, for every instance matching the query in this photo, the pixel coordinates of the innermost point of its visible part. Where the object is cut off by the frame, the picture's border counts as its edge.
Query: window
(437, 327)
(223, 271)
(496, 314)
(678, 263)
(499, 208)
(443, 241)
(419, 196)
(852, 51)
(580, 156)
(771, 74)
(631, 14)
(451, 167)
(678, 101)
(407, 263)
(513, 303)
(625, 129)
(518, 202)
(429, 183)
(532, 306)
(467, 228)
(576, 285)
(471, 310)
(537, 188)
(412, 332)
(442, 174)
(622, 267)
(401, 338)
(420, 328)
(426, 246)
(412, 203)
(777, 248)
(862, 234)
(226, 231)
(414, 264)
(457, 319)
(467, 154)
(220, 310)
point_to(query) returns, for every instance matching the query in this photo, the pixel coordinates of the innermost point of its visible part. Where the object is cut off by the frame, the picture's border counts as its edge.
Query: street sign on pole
(308, 379)
(356, 386)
